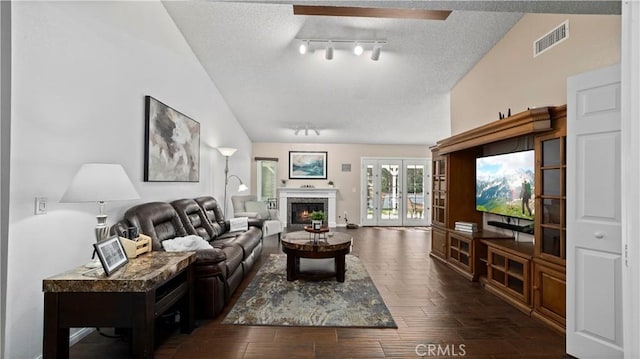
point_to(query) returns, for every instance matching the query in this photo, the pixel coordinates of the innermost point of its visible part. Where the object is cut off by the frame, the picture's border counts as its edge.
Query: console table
(133, 297)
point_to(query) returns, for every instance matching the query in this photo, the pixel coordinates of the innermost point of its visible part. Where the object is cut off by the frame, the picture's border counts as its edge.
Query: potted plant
(317, 217)
(330, 183)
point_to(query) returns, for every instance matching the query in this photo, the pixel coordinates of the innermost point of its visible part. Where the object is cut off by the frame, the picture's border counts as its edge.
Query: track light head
(329, 51)
(304, 47)
(375, 53)
(358, 50)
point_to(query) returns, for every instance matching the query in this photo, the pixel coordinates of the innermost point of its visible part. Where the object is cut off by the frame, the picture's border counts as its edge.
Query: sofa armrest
(256, 222)
(210, 256)
(274, 214)
(246, 214)
(253, 222)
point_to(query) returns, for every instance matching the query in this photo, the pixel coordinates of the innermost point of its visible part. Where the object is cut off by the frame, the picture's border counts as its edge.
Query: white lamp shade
(227, 151)
(100, 182)
(242, 187)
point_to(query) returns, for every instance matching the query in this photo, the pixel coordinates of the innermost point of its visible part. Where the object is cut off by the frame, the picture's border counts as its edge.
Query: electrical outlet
(41, 205)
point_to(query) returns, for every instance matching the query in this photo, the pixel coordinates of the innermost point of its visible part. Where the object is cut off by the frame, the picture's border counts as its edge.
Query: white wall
(509, 76)
(5, 132)
(80, 74)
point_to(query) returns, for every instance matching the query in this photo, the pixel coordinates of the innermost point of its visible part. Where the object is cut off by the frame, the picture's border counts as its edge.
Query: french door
(395, 192)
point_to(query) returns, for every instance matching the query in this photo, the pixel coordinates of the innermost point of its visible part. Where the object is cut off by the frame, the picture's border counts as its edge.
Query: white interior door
(594, 261)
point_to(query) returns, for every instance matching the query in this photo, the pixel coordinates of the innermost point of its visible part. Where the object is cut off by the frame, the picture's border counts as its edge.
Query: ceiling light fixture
(330, 45)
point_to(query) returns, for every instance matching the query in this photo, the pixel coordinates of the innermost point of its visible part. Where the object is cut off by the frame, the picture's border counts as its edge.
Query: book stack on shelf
(466, 227)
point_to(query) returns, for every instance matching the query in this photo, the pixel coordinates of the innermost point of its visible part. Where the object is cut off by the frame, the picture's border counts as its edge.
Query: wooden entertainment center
(528, 275)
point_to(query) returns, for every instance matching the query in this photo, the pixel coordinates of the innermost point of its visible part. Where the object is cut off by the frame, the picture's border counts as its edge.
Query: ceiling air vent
(553, 38)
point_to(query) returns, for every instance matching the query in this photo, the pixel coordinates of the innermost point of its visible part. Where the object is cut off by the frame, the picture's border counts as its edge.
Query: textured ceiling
(250, 50)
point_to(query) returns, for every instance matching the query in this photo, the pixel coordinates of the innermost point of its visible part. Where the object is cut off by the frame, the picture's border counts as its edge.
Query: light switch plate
(41, 205)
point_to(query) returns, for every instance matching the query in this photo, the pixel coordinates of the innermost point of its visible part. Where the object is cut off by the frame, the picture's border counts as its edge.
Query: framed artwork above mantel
(307, 164)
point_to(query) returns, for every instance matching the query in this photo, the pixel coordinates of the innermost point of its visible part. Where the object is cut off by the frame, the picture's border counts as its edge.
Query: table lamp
(100, 182)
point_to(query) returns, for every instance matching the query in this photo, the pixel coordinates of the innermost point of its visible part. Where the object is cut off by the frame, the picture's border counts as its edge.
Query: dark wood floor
(434, 307)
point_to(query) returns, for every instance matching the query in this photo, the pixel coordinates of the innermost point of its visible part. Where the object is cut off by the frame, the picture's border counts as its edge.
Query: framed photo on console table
(111, 254)
(172, 144)
(307, 165)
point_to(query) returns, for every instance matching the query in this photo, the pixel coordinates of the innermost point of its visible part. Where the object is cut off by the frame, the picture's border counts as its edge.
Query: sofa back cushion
(213, 212)
(159, 220)
(193, 218)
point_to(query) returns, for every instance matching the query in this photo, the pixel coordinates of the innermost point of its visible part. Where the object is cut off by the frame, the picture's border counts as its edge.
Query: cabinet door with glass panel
(550, 198)
(439, 189)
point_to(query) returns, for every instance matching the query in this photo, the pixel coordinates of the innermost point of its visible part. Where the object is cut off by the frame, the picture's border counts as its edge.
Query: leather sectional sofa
(218, 271)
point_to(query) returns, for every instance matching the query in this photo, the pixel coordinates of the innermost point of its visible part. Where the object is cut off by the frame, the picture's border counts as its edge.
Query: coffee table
(303, 245)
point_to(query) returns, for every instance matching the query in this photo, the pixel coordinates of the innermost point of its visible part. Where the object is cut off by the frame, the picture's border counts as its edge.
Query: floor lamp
(228, 152)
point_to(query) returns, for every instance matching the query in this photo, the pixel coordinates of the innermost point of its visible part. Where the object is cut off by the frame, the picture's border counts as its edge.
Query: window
(266, 178)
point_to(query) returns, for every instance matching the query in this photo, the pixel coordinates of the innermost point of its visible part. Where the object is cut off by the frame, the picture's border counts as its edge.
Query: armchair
(249, 206)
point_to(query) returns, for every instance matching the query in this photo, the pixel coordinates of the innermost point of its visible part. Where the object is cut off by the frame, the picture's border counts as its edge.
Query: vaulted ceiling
(250, 51)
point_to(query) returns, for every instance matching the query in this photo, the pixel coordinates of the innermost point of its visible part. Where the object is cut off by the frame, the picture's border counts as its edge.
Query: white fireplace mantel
(284, 193)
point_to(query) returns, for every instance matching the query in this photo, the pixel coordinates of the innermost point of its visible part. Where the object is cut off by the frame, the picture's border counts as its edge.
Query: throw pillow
(259, 207)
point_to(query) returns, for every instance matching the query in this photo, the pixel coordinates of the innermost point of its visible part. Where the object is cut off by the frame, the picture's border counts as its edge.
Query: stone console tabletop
(141, 274)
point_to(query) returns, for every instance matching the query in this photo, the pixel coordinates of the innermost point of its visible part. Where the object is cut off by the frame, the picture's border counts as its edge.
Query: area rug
(272, 300)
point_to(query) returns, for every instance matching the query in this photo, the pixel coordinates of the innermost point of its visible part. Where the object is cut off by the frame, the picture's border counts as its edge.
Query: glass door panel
(370, 195)
(416, 185)
(390, 193)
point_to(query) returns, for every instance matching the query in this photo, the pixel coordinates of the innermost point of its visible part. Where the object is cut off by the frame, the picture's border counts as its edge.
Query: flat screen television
(505, 184)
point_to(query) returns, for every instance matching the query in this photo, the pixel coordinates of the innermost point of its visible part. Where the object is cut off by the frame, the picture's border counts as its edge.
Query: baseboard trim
(75, 337)
(79, 335)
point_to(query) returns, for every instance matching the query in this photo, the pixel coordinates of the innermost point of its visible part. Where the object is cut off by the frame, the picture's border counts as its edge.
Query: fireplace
(299, 209)
(306, 196)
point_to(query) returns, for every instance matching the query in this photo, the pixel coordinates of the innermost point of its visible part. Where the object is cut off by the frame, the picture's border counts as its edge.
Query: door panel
(391, 193)
(417, 196)
(594, 237)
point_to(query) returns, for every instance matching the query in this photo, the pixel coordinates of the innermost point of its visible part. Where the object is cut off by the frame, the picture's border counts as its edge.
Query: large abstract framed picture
(307, 165)
(172, 144)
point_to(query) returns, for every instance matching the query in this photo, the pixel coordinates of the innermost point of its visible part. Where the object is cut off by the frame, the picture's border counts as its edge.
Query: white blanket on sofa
(185, 244)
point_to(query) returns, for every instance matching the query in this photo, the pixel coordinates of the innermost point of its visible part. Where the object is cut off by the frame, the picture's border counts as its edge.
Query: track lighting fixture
(306, 128)
(330, 45)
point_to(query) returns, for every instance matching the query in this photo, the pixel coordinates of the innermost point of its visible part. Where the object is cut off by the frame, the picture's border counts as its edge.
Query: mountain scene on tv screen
(505, 188)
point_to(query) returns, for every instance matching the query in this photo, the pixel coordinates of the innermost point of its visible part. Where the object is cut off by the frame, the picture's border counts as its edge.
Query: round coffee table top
(304, 241)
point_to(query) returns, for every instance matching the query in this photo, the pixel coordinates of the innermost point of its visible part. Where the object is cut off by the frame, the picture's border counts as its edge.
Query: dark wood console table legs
(135, 310)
